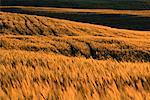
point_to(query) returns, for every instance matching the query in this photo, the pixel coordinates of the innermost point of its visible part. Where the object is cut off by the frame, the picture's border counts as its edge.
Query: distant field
(105, 4)
(125, 19)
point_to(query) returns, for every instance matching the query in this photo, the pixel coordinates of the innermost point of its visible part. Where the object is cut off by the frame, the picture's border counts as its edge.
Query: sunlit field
(43, 58)
(36, 75)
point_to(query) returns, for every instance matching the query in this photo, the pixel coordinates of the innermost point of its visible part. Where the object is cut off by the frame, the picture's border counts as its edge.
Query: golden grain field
(30, 75)
(44, 58)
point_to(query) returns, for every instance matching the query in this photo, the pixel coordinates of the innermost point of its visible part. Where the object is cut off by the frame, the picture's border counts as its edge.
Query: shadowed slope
(72, 38)
(46, 10)
(123, 19)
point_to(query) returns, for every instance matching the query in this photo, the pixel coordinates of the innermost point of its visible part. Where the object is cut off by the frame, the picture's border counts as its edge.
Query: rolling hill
(122, 19)
(73, 38)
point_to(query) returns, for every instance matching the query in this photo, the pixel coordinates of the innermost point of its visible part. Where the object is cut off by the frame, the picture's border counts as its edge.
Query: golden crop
(46, 58)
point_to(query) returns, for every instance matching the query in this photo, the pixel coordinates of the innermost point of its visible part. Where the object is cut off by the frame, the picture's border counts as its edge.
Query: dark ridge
(86, 4)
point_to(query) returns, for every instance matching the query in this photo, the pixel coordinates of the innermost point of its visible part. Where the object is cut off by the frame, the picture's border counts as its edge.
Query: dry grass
(46, 58)
(30, 75)
(122, 49)
(72, 38)
(22, 24)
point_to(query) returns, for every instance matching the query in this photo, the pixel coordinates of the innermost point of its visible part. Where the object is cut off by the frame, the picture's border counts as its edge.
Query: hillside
(72, 38)
(103, 4)
(55, 59)
(122, 19)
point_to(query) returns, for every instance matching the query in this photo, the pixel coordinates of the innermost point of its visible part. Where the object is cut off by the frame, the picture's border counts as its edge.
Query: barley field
(44, 58)
(36, 75)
